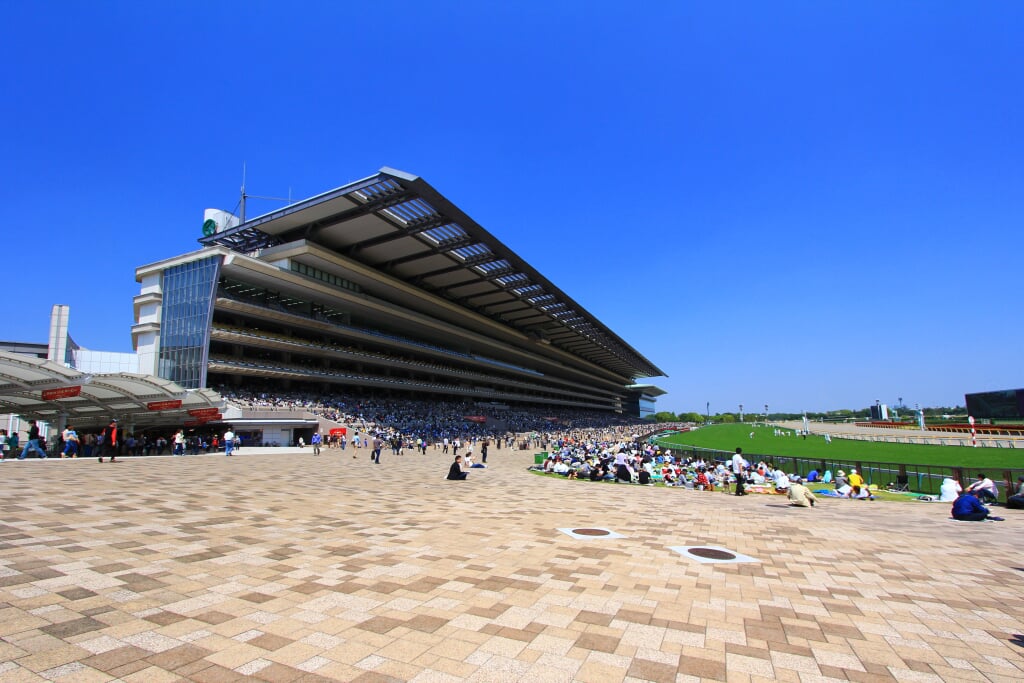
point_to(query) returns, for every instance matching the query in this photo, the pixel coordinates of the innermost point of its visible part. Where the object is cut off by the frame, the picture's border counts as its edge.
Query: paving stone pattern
(294, 568)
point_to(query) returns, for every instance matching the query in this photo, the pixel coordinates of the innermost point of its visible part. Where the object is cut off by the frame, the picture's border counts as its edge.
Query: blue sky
(811, 205)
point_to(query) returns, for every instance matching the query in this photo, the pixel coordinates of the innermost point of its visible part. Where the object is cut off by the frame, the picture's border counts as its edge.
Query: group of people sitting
(969, 503)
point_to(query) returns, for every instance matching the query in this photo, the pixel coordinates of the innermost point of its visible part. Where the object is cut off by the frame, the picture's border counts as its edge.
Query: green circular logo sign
(209, 227)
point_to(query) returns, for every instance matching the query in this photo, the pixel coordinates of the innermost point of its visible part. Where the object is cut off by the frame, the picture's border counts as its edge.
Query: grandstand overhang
(38, 389)
(397, 224)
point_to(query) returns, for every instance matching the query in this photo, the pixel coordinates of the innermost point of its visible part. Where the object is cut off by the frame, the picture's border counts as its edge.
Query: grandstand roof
(142, 399)
(400, 225)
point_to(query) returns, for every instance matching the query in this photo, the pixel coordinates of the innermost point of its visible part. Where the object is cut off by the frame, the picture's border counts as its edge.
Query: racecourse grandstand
(382, 288)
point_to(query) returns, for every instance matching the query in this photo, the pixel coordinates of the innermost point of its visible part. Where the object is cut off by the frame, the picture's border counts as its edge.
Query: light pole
(707, 412)
(741, 412)
(765, 414)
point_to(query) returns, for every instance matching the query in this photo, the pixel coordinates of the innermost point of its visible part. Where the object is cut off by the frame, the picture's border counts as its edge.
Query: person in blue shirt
(967, 508)
(316, 440)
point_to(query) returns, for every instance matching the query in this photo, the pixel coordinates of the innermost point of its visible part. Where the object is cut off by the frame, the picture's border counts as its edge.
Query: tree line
(907, 413)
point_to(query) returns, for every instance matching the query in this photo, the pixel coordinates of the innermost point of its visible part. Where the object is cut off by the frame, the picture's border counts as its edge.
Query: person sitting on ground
(949, 490)
(967, 507)
(841, 480)
(456, 471)
(623, 473)
(800, 495)
(1016, 501)
(813, 476)
(856, 481)
(702, 483)
(860, 493)
(560, 466)
(985, 488)
(782, 482)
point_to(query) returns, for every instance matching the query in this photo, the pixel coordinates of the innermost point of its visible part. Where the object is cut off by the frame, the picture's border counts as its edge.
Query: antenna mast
(241, 211)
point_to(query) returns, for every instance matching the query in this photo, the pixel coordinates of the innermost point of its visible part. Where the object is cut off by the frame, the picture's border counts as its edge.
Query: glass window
(188, 292)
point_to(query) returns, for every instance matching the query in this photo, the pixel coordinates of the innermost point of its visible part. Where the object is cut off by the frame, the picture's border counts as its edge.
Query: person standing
(179, 443)
(483, 450)
(111, 441)
(229, 443)
(739, 465)
(33, 442)
(316, 440)
(378, 443)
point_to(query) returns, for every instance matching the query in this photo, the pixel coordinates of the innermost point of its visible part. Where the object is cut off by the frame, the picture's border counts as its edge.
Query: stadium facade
(381, 287)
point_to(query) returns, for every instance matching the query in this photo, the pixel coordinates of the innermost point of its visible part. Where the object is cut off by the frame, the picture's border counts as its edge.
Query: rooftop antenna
(241, 212)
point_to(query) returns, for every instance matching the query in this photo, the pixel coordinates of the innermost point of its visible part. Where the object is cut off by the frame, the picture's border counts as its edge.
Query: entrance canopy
(39, 389)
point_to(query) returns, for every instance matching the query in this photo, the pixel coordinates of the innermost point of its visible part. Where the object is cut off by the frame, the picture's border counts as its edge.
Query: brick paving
(294, 568)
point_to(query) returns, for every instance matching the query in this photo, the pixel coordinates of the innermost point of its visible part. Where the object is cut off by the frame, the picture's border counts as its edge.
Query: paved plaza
(289, 567)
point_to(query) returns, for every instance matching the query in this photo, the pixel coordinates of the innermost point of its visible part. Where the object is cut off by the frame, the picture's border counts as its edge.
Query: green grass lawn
(727, 437)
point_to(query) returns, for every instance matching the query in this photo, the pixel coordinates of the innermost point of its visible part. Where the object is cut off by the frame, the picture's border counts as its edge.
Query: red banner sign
(193, 423)
(204, 412)
(164, 405)
(63, 392)
(339, 431)
(475, 418)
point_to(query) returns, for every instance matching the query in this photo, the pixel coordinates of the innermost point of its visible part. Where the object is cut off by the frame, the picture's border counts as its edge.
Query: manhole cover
(591, 532)
(712, 554)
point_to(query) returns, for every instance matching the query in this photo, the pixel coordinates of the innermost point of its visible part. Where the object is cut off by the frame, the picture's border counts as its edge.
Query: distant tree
(727, 418)
(665, 416)
(691, 417)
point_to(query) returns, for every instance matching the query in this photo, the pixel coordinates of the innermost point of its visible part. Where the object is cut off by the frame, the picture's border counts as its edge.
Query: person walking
(229, 443)
(316, 440)
(33, 442)
(111, 441)
(70, 437)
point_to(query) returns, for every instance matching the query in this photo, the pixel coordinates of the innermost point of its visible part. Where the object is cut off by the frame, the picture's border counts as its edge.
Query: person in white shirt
(986, 489)
(229, 442)
(949, 490)
(739, 465)
(781, 480)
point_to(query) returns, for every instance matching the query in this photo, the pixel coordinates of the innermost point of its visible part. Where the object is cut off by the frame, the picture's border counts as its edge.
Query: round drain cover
(712, 554)
(590, 532)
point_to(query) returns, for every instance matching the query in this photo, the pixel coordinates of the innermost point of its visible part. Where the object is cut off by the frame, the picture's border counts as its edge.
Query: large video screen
(997, 405)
